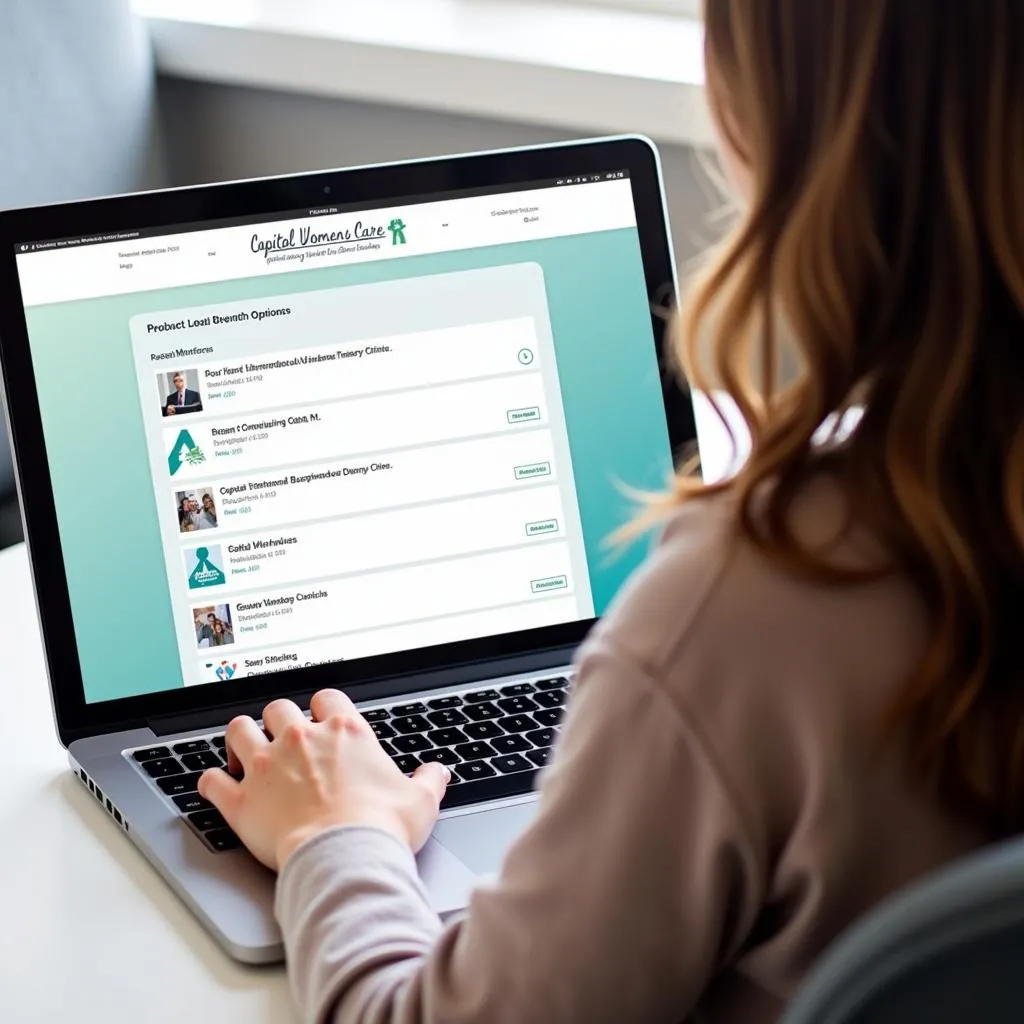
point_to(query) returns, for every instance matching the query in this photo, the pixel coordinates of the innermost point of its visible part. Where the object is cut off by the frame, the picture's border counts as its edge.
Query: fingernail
(447, 773)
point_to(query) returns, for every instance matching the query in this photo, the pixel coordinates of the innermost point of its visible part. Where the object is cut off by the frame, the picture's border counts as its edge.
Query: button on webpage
(542, 527)
(523, 415)
(532, 470)
(551, 583)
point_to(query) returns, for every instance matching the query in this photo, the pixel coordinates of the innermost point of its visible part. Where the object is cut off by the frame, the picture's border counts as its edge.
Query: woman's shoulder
(706, 593)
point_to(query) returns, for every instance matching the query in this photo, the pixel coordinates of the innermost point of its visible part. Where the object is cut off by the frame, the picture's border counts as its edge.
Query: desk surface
(89, 932)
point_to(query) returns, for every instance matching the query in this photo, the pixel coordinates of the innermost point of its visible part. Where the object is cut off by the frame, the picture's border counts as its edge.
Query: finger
(222, 791)
(328, 703)
(244, 738)
(434, 778)
(279, 714)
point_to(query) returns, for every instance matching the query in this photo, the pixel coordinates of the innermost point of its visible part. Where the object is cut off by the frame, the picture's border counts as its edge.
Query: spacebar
(488, 789)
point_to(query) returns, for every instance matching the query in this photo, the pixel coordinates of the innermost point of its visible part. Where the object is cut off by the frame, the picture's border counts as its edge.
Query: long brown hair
(884, 242)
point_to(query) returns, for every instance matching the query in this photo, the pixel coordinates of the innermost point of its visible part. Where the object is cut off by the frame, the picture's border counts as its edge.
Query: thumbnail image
(179, 390)
(203, 566)
(213, 626)
(197, 509)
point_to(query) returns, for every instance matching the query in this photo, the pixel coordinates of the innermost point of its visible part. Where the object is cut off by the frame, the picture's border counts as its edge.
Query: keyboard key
(551, 684)
(549, 716)
(511, 763)
(473, 770)
(447, 716)
(218, 741)
(541, 737)
(189, 802)
(411, 723)
(550, 698)
(222, 839)
(176, 784)
(483, 730)
(493, 788)
(539, 757)
(516, 705)
(205, 820)
(382, 730)
(400, 710)
(442, 756)
(480, 696)
(407, 763)
(201, 761)
(444, 702)
(517, 689)
(482, 712)
(517, 723)
(474, 751)
(162, 767)
(377, 715)
(191, 747)
(387, 748)
(446, 737)
(411, 744)
(151, 753)
(510, 744)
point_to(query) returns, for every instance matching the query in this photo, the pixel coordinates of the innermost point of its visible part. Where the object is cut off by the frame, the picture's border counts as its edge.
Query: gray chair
(77, 118)
(947, 950)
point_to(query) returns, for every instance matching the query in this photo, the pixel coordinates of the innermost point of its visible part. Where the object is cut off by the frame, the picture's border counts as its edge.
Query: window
(685, 7)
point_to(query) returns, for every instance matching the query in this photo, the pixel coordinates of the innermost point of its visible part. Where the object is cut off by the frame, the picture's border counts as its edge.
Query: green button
(551, 583)
(523, 415)
(532, 470)
(544, 526)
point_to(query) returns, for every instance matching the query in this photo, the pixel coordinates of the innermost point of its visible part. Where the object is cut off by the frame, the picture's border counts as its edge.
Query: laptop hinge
(212, 718)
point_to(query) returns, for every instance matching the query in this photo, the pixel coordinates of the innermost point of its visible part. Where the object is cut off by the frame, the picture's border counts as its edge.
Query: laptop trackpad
(481, 839)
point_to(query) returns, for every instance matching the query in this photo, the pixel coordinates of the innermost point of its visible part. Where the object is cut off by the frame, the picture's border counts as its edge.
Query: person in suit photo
(182, 399)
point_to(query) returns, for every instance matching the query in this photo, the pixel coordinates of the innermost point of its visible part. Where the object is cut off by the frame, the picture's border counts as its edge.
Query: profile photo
(179, 391)
(204, 567)
(196, 509)
(213, 626)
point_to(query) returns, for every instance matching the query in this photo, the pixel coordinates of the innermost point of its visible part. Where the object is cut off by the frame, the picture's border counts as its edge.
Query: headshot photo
(213, 626)
(180, 391)
(204, 567)
(196, 509)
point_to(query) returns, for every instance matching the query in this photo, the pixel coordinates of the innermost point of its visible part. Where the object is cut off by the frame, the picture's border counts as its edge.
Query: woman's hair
(883, 250)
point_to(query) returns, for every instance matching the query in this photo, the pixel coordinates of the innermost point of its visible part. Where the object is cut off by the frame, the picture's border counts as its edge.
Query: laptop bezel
(75, 717)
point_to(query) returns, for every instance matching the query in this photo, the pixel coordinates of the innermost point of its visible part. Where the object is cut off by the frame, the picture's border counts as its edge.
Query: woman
(185, 521)
(208, 515)
(821, 660)
(222, 634)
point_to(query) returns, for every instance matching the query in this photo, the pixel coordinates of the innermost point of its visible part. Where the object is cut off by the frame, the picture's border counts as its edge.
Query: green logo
(205, 573)
(397, 229)
(184, 450)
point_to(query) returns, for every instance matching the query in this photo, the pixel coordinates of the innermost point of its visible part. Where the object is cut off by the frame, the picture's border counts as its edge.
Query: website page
(344, 433)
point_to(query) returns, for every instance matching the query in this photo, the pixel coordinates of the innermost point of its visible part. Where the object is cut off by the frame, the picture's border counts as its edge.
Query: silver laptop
(364, 428)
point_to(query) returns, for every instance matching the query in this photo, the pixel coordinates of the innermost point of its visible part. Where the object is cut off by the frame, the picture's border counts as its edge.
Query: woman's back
(781, 683)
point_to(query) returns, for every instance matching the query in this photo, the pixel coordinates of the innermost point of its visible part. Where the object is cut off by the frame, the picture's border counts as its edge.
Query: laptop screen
(343, 432)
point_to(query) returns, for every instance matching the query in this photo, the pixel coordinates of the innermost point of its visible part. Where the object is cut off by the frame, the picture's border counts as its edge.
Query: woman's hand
(314, 775)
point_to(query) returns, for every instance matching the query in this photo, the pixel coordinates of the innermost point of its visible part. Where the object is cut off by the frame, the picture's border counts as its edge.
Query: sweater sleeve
(635, 883)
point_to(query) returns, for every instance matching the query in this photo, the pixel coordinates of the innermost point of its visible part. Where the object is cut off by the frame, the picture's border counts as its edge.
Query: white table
(89, 934)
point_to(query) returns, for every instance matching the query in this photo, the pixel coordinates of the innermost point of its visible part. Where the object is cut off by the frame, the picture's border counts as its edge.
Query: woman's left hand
(315, 775)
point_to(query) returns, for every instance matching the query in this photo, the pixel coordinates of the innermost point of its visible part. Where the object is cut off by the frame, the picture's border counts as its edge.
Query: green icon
(205, 573)
(525, 356)
(184, 450)
(551, 583)
(397, 229)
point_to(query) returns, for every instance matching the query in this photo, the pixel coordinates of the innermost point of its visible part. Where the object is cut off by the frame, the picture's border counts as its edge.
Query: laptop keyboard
(494, 741)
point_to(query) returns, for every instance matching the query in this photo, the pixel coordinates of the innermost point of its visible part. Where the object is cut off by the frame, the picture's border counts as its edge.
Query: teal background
(85, 375)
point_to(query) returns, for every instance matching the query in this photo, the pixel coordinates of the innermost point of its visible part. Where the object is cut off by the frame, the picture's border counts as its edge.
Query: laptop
(365, 429)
